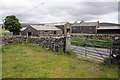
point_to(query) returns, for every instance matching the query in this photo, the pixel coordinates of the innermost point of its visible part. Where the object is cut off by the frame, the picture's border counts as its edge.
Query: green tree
(12, 24)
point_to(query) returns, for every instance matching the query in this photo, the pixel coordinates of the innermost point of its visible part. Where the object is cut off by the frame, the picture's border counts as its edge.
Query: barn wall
(84, 29)
(30, 29)
(50, 32)
(107, 31)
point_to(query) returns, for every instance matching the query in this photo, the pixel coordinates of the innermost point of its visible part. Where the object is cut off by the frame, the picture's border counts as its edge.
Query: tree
(12, 24)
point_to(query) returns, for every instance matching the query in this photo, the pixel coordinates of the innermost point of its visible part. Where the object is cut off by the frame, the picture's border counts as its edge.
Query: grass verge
(27, 60)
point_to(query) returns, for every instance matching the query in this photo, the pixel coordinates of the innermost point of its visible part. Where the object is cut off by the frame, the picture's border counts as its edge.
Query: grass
(95, 43)
(27, 60)
(82, 34)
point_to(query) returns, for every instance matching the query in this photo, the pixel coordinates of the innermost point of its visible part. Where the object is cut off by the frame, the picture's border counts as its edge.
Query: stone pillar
(67, 43)
(67, 30)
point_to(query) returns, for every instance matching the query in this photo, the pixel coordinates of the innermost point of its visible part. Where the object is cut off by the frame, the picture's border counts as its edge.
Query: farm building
(85, 27)
(64, 26)
(108, 30)
(37, 30)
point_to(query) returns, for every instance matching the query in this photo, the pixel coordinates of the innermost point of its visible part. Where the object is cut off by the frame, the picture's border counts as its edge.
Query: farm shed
(37, 30)
(85, 27)
(108, 30)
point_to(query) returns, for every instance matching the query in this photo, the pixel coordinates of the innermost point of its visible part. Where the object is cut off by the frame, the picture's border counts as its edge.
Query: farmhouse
(37, 30)
(85, 27)
(108, 30)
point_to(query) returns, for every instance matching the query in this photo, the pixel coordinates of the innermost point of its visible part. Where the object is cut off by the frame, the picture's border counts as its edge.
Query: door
(54, 32)
(29, 33)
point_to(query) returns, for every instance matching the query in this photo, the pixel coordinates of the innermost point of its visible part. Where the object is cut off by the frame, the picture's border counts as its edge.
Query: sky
(47, 11)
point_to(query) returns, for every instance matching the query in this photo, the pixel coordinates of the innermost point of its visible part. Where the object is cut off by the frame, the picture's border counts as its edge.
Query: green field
(82, 34)
(27, 60)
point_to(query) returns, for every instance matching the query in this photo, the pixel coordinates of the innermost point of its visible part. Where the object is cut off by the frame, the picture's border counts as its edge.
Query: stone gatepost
(67, 43)
(67, 37)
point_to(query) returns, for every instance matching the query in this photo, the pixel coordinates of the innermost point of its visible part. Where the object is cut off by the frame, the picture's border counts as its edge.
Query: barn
(108, 30)
(85, 27)
(37, 30)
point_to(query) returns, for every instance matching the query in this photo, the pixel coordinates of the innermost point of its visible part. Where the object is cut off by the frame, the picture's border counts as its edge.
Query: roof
(76, 24)
(23, 29)
(57, 23)
(89, 24)
(86, 24)
(108, 27)
(45, 27)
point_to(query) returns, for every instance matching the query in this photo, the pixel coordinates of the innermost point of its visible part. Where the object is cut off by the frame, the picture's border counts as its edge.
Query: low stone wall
(53, 43)
(98, 36)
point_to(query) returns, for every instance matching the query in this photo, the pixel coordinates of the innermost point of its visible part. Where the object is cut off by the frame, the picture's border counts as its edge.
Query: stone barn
(85, 27)
(37, 30)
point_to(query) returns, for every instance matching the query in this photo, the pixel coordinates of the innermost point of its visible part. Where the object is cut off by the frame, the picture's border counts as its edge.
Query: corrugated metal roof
(108, 27)
(45, 27)
(86, 24)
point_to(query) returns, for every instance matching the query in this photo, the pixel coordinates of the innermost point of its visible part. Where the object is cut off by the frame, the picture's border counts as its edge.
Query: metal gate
(94, 49)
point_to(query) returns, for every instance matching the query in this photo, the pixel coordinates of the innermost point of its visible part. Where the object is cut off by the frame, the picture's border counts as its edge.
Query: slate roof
(108, 27)
(23, 29)
(57, 23)
(89, 24)
(45, 27)
(76, 24)
(86, 24)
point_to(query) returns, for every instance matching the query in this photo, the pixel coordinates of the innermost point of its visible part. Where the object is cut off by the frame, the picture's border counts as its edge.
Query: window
(68, 30)
(90, 28)
(80, 28)
(46, 31)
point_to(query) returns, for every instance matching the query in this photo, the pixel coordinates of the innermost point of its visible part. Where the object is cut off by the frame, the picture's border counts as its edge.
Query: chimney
(75, 22)
(98, 24)
(82, 21)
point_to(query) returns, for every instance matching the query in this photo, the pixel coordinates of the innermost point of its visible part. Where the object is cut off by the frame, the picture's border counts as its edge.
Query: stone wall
(98, 36)
(52, 43)
(116, 50)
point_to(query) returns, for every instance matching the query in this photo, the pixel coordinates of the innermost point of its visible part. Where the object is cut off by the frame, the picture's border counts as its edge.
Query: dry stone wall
(52, 43)
(116, 50)
(98, 36)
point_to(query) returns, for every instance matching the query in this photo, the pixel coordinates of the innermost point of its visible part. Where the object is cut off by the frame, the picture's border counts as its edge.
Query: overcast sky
(44, 11)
